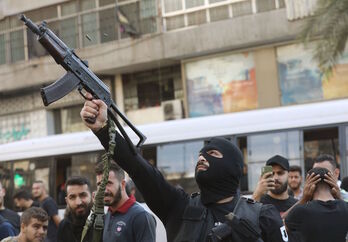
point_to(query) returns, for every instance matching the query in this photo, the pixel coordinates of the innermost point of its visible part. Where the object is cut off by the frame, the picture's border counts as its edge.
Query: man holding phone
(272, 187)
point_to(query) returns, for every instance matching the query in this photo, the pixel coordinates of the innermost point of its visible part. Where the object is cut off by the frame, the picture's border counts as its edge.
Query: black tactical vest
(197, 220)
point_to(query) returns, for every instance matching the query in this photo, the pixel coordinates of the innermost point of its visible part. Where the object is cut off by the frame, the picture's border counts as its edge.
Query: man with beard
(188, 218)
(50, 206)
(79, 203)
(34, 223)
(126, 220)
(272, 186)
(295, 180)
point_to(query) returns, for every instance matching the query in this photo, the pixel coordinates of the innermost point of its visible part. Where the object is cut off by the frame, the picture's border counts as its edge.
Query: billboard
(221, 84)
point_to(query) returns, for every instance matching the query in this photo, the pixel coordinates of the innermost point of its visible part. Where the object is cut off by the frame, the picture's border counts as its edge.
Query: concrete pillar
(266, 72)
(119, 92)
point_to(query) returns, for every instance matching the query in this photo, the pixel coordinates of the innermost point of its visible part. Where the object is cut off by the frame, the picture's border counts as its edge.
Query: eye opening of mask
(215, 153)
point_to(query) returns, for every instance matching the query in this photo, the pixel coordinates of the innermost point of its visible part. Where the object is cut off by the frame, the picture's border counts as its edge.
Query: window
(106, 2)
(194, 3)
(87, 4)
(241, 8)
(68, 32)
(218, 13)
(17, 45)
(320, 141)
(108, 26)
(41, 14)
(197, 18)
(69, 8)
(148, 94)
(131, 11)
(2, 49)
(178, 159)
(173, 5)
(68, 120)
(150, 88)
(148, 23)
(175, 22)
(35, 49)
(79, 24)
(265, 5)
(89, 29)
(261, 147)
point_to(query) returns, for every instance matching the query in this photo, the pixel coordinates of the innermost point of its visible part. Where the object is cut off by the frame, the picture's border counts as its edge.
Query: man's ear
(123, 184)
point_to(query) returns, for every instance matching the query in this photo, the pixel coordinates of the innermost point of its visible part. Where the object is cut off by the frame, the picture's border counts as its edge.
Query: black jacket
(67, 231)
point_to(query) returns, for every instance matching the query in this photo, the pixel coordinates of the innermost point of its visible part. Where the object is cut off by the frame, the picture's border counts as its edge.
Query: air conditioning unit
(172, 109)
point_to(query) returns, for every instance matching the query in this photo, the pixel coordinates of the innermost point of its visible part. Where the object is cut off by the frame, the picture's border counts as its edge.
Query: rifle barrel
(33, 27)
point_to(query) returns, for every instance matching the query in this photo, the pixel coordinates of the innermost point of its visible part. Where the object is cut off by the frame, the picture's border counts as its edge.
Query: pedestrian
(49, 205)
(189, 218)
(272, 187)
(295, 181)
(319, 216)
(126, 219)
(34, 222)
(79, 204)
(23, 200)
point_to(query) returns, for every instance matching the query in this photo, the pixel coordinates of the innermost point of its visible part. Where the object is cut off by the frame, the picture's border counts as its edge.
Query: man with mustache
(34, 223)
(272, 187)
(188, 218)
(79, 203)
(126, 219)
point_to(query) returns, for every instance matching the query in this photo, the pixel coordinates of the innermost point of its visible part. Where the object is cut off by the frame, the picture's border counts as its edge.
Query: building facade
(177, 60)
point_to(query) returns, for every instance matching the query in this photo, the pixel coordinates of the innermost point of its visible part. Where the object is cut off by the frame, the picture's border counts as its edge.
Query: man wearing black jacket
(218, 172)
(79, 204)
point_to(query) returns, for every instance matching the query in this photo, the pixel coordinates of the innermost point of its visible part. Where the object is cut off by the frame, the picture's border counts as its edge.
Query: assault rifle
(78, 75)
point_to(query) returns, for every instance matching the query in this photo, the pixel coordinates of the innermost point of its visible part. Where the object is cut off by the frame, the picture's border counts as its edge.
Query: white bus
(298, 132)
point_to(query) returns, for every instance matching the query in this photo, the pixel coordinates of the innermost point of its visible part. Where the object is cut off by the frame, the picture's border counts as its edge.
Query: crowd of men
(281, 209)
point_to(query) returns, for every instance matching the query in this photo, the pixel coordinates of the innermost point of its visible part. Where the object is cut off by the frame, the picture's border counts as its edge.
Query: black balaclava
(221, 179)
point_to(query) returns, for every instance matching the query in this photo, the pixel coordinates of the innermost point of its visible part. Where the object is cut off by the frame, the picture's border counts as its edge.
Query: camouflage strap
(96, 220)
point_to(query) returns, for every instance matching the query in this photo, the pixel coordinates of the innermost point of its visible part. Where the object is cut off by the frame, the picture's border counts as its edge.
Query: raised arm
(159, 195)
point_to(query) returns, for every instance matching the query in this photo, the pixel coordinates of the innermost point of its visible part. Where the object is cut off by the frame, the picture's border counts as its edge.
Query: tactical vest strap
(248, 209)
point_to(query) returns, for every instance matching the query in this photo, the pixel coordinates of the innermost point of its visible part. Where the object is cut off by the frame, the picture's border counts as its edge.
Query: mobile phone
(266, 169)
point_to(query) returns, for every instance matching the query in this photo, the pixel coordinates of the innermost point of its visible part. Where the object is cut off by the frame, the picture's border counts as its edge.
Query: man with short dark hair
(329, 162)
(23, 200)
(126, 220)
(34, 222)
(50, 206)
(319, 216)
(79, 203)
(294, 181)
(272, 187)
(8, 214)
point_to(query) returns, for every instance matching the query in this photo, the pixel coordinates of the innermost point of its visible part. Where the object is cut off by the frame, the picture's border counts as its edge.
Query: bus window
(320, 141)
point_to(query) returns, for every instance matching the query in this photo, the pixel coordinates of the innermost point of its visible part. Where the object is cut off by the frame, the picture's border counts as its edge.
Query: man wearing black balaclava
(218, 171)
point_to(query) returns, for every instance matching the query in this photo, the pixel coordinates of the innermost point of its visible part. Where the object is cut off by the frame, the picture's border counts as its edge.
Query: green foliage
(329, 28)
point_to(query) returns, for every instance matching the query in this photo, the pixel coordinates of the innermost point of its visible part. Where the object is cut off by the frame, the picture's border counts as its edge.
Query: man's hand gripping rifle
(78, 75)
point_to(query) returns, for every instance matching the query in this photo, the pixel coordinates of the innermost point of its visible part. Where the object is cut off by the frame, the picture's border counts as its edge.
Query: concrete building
(186, 60)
